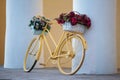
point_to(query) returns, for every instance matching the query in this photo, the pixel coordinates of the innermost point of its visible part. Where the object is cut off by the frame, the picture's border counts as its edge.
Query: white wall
(18, 34)
(101, 37)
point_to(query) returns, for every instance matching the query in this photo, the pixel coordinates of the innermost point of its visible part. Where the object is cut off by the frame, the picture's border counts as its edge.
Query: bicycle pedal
(42, 64)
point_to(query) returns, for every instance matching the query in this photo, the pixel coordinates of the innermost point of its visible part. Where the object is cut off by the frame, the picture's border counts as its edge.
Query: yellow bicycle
(69, 59)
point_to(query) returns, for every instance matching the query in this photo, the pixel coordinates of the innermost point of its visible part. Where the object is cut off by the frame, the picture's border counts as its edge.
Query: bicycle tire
(30, 59)
(73, 65)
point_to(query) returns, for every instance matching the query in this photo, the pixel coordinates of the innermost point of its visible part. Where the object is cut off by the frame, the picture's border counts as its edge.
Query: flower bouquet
(74, 21)
(38, 23)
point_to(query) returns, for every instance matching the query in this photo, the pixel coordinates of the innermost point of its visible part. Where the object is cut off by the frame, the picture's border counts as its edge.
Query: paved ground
(49, 74)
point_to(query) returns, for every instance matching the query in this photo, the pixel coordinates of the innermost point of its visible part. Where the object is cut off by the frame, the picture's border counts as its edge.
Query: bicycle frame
(43, 37)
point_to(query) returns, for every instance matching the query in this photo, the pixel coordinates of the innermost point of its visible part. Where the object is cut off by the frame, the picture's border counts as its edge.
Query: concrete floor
(50, 74)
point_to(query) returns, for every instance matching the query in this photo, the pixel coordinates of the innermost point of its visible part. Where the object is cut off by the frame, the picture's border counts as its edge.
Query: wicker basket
(77, 28)
(35, 32)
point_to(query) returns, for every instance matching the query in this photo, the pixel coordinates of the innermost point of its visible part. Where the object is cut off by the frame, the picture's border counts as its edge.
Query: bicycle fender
(84, 42)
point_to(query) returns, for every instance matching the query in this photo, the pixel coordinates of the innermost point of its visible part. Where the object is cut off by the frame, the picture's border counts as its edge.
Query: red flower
(62, 16)
(71, 14)
(88, 19)
(60, 21)
(79, 18)
(73, 21)
(88, 24)
(74, 18)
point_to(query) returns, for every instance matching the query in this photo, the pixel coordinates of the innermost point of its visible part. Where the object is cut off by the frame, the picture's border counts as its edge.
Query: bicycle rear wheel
(31, 55)
(71, 54)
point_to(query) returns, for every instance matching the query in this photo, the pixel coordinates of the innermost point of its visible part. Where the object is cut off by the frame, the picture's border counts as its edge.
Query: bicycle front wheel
(30, 57)
(71, 54)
